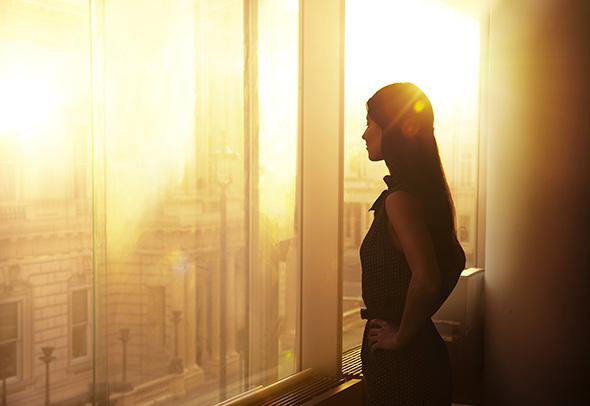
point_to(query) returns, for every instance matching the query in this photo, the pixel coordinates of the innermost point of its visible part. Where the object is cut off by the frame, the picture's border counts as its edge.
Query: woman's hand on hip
(382, 335)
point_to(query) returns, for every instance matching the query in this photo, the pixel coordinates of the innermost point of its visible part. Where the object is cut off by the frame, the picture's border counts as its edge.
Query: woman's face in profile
(372, 137)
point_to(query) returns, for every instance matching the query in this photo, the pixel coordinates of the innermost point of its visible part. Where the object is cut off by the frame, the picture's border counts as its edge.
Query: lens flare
(419, 105)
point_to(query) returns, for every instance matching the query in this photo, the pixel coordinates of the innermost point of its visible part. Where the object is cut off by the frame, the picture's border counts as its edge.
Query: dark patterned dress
(418, 374)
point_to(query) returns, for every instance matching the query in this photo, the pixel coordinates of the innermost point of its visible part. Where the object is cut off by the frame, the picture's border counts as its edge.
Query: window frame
(81, 280)
(321, 169)
(20, 292)
(18, 340)
(322, 112)
(480, 180)
(72, 325)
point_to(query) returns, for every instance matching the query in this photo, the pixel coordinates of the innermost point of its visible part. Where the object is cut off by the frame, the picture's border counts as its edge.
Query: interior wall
(537, 222)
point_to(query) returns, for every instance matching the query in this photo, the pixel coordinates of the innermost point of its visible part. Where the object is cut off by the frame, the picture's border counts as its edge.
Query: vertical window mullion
(321, 189)
(481, 139)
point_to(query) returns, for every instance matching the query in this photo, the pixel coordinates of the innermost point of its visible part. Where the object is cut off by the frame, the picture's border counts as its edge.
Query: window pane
(79, 306)
(45, 104)
(200, 164)
(278, 28)
(198, 136)
(8, 321)
(8, 360)
(442, 57)
(79, 341)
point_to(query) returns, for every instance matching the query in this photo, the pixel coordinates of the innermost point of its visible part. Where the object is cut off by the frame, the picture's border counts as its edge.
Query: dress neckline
(392, 185)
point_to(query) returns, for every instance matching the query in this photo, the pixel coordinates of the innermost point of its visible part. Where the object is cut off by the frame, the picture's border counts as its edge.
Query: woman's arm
(406, 217)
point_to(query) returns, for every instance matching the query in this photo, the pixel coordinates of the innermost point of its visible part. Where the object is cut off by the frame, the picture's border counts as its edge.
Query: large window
(199, 128)
(435, 44)
(160, 140)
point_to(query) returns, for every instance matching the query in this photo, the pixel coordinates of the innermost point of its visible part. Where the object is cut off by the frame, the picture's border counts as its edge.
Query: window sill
(79, 366)
(18, 386)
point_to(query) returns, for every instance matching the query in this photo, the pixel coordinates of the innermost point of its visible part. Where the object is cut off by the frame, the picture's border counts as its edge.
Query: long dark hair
(409, 149)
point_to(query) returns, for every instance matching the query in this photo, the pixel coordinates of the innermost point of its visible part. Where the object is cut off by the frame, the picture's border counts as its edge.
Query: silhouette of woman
(411, 259)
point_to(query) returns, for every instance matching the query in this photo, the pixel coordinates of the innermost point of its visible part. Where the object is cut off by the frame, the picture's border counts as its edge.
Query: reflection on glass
(146, 242)
(435, 44)
(45, 217)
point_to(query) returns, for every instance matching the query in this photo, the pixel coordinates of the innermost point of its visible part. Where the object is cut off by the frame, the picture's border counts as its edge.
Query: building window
(10, 340)
(79, 324)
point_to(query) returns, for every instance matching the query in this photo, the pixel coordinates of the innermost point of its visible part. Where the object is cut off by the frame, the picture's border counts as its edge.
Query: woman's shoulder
(404, 210)
(403, 201)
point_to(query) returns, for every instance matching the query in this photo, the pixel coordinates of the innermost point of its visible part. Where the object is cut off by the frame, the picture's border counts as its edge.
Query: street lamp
(123, 386)
(47, 358)
(223, 161)
(176, 366)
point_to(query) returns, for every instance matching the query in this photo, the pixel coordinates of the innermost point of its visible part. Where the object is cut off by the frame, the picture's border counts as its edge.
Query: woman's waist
(391, 315)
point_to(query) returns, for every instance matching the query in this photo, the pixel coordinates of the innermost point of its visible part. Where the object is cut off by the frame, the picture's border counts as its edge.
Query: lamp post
(223, 177)
(47, 358)
(176, 366)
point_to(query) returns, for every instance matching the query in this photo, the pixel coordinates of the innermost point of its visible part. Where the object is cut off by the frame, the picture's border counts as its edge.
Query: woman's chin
(373, 158)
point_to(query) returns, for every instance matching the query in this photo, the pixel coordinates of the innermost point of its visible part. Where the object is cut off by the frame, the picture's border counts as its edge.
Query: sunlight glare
(427, 42)
(30, 102)
(278, 94)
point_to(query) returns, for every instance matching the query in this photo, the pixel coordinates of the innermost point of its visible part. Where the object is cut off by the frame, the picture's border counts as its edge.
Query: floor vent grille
(315, 386)
(351, 363)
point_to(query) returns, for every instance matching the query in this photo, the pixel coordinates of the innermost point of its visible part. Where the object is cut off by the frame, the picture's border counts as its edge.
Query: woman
(411, 259)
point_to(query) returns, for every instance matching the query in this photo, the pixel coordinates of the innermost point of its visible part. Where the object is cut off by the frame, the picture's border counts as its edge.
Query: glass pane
(441, 56)
(190, 137)
(278, 28)
(201, 249)
(79, 306)
(8, 321)
(45, 104)
(79, 341)
(8, 360)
